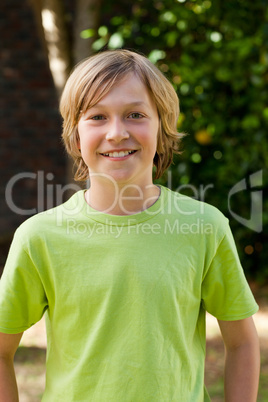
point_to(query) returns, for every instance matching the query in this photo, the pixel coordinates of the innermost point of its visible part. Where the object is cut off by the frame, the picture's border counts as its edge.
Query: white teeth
(120, 154)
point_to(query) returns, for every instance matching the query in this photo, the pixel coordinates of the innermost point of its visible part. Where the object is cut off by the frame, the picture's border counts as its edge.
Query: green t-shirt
(125, 297)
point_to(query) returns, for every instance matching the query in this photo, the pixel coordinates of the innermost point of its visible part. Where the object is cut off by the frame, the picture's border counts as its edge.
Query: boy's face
(118, 136)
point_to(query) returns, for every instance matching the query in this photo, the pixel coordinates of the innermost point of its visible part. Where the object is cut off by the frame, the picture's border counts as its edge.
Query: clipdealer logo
(166, 227)
(49, 195)
(255, 221)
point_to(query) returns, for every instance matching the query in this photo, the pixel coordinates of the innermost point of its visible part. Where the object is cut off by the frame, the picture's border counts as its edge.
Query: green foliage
(215, 53)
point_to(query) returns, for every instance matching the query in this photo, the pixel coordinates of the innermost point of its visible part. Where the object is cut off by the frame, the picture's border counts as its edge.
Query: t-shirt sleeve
(225, 290)
(22, 296)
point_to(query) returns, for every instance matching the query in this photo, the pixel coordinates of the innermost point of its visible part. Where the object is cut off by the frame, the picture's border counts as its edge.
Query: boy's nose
(117, 131)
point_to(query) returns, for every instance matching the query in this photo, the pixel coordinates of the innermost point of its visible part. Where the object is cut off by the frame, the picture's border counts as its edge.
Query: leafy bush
(215, 54)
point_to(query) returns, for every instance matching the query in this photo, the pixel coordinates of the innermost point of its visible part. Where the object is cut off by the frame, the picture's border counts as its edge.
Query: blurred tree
(65, 48)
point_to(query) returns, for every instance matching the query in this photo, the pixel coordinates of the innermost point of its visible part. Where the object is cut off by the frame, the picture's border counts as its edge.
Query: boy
(122, 276)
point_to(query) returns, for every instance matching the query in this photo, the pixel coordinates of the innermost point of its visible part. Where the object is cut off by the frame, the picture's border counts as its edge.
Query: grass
(30, 373)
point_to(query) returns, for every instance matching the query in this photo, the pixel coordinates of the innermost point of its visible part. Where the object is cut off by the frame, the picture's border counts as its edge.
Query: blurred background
(214, 52)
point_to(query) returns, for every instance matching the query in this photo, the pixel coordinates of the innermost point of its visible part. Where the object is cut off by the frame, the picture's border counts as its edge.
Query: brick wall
(31, 153)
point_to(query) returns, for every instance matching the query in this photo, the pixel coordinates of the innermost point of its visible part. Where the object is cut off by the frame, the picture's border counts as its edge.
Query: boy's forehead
(129, 83)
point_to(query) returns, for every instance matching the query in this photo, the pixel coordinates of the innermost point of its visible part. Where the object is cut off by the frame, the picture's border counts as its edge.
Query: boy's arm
(242, 360)
(8, 385)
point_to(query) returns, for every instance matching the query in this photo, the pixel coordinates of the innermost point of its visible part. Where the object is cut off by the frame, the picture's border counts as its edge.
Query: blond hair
(94, 77)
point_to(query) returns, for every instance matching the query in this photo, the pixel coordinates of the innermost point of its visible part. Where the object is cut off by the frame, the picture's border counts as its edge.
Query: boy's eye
(135, 115)
(97, 117)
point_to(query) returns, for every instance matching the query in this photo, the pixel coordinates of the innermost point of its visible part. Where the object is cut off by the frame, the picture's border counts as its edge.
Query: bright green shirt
(125, 297)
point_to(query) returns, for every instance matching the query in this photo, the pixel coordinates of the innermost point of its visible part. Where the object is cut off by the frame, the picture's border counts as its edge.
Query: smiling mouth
(119, 154)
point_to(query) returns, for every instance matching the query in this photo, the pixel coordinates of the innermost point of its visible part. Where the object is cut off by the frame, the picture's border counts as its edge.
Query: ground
(30, 357)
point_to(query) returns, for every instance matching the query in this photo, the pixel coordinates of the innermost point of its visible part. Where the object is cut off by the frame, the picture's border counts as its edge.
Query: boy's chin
(121, 179)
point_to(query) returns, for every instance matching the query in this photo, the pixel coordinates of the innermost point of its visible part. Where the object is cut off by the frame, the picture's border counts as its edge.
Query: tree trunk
(58, 41)
(87, 17)
(50, 18)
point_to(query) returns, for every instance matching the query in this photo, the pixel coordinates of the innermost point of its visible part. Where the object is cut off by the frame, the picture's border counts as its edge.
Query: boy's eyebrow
(136, 103)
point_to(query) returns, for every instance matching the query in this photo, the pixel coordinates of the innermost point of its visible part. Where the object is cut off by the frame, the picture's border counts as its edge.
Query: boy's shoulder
(50, 219)
(191, 207)
(192, 216)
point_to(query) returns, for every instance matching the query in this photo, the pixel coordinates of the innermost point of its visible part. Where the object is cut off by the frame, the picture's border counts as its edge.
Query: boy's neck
(124, 200)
